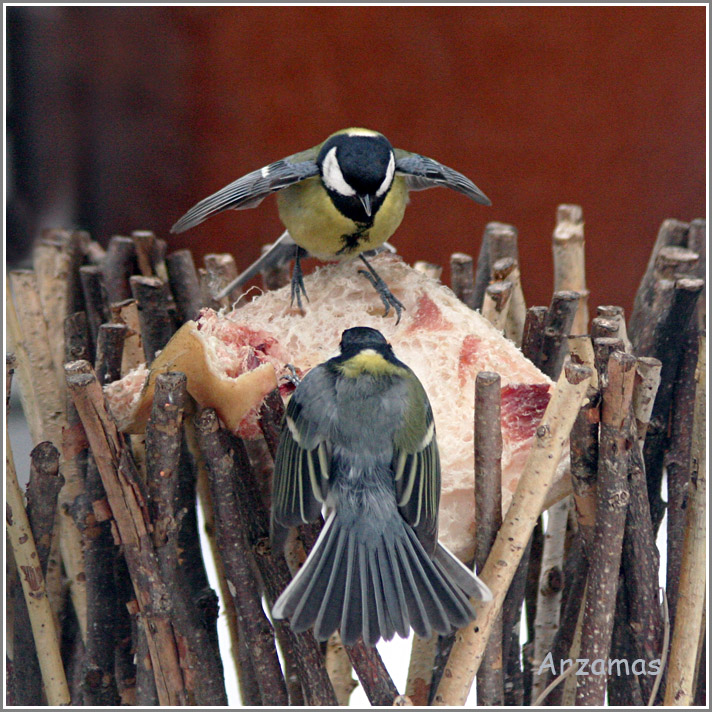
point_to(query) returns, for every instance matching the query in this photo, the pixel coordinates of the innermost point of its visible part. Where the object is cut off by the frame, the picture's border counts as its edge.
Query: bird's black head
(357, 168)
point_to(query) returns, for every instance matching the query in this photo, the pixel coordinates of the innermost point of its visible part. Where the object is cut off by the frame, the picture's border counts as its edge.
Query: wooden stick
(95, 304)
(199, 655)
(44, 410)
(274, 570)
(672, 232)
(249, 689)
(184, 283)
(667, 348)
(275, 277)
(221, 271)
(569, 260)
(338, 665)
(557, 327)
(488, 516)
(420, 669)
(601, 327)
(128, 508)
(677, 461)
(611, 508)
(127, 313)
(110, 351)
(42, 490)
(44, 629)
(551, 582)
(516, 529)
(507, 269)
(575, 571)
(603, 348)
(499, 240)
(157, 326)
(462, 280)
(119, 264)
(495, 307)
(372, 675)
(27, 330)
(697, 242)
(616, 314)
(680, 689)
(670, 263)
(533, 333)
(429, 269)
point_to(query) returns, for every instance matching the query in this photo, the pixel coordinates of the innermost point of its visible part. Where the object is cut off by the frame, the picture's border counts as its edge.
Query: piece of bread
(441, 339)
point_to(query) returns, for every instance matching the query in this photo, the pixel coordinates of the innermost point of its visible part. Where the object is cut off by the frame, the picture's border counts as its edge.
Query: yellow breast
(317, 226)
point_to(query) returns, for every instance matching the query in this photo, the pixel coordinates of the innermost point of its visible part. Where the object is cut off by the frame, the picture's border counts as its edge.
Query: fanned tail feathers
(375, 589)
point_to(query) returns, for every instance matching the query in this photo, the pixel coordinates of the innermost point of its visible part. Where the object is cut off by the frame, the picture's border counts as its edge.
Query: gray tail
(376, 589)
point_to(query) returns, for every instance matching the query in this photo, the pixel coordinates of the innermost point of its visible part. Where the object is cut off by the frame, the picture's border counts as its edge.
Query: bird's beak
(366, 202)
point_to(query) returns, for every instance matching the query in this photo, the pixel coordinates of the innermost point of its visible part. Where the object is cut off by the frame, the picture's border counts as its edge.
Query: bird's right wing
(250, 190)
(303, 460)
(421, 173)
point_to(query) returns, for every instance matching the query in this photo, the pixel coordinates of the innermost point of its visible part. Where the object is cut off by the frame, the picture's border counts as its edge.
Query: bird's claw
(387, 297)
(292, 376)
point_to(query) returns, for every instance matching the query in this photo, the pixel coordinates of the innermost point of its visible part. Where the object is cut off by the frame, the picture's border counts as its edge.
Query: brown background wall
(122, 118)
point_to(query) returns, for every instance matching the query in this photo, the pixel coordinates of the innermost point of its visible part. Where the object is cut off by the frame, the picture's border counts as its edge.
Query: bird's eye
(389, 177)
(333, 177)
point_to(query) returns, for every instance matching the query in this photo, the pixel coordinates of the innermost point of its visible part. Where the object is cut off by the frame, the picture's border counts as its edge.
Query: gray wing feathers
(248, 191)
(422, 172)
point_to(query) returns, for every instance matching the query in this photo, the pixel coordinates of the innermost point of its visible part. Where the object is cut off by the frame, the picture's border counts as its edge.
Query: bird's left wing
(303, 460)
(421, 172)
(250, 190)
(416, 465)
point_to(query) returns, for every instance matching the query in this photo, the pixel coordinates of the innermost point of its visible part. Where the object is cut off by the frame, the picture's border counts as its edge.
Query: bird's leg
(387, 297)
(292, 376)
(298, 278)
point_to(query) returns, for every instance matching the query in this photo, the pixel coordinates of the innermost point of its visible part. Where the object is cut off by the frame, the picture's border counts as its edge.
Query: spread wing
(421, 173)
(303, 460)
(250, 190)
(416, 464)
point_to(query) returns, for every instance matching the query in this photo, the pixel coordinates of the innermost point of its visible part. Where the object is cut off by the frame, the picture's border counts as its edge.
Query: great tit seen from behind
(337, 200)
(358, 440)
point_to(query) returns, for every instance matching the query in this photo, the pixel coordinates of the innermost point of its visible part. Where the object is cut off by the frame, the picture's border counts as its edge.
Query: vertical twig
(488, 516)
(691, 593)
(611, 509)
(551, 582)
(274, 571)
(127, 504)
(372, 675)
(154, 317)
(495, 306)
(30, 573)
(515, 531)
(569, 261)
(118, 265)
(42, 490)
(277, 276)
(462, 279)
(95, 304)
(199, 657)
(184, 284)
(221, 270)
(507, 269)
(557, 327)
(677, 461)
(667, 348)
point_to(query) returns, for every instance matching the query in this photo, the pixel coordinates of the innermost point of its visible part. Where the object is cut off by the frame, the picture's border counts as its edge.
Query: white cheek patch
(390, 171)
(333, 177)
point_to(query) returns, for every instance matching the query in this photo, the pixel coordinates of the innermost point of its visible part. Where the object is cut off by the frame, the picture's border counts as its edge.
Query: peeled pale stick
(441, 339)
